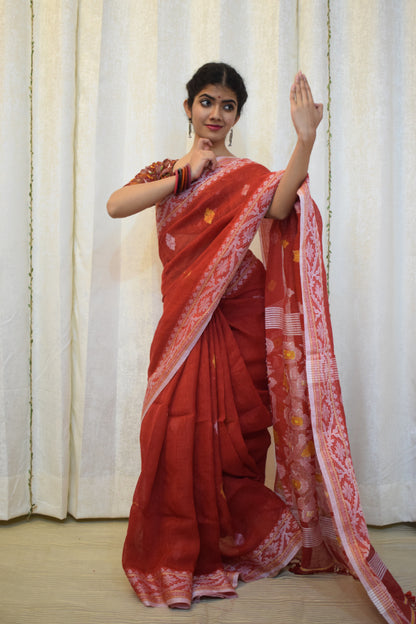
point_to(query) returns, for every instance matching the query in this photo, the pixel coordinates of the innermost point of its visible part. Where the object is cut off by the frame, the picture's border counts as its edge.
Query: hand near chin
(201, 157)
(306, 114)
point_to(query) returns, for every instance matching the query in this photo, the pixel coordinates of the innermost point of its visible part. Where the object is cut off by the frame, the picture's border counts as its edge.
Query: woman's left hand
(306, 114)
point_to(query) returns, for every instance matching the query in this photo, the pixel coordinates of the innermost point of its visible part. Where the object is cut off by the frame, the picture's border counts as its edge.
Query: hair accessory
(189, 128)
(230, 142)
(183, 179)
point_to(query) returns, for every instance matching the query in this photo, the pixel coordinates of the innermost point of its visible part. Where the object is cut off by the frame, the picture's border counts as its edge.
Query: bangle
(175, 190)
(183, 179)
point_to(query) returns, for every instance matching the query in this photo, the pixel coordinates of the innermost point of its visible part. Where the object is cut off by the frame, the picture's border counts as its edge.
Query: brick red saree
(201, 516)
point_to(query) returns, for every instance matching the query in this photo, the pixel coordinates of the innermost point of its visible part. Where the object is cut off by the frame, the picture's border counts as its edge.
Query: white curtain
(90, 93)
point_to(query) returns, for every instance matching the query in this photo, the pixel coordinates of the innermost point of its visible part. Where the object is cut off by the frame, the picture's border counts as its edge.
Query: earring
(190, 128)
(230, 141)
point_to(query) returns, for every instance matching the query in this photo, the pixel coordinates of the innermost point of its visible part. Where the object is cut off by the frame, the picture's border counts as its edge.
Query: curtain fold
(372, 274)
(15, 184)
(55, 26)
(105, 97)
(116, 266)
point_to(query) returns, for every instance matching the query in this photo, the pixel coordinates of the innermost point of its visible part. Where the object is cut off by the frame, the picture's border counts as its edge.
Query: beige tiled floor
(69, 572)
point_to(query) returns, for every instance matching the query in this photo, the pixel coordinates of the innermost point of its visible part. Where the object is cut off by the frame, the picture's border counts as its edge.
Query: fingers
(306, 114)
(293, 92)
(212, 162)
(204, 144)
(202, 158)
(301, 91)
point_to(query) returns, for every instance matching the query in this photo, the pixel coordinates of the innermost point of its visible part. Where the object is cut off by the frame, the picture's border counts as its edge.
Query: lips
(212, 127)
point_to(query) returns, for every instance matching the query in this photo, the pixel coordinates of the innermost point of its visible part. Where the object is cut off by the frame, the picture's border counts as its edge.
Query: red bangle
(188, 177)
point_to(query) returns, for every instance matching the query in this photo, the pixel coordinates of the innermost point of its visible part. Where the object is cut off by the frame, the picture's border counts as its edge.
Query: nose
(216, 111)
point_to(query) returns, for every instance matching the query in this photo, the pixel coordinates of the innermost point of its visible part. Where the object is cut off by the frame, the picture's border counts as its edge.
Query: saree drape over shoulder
(240, 348)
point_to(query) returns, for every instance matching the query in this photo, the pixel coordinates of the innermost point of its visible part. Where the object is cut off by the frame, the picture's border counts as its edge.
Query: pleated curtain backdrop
(90, 93)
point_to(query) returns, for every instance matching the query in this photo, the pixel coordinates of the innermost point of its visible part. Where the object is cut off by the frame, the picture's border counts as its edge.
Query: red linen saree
(201, 516)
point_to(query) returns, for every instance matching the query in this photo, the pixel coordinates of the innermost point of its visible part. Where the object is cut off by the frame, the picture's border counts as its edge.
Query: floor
(54, 572)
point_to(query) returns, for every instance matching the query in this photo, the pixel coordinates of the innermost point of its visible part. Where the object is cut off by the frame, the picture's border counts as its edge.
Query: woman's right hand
(136, 197)
(201, 157)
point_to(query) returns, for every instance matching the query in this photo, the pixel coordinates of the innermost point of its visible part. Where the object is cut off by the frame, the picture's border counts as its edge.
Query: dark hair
(217, 74)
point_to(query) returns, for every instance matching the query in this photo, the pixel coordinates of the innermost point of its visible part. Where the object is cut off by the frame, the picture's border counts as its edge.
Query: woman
(238, 348)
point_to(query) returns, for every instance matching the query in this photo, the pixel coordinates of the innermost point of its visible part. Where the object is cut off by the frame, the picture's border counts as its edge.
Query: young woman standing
(239, 347)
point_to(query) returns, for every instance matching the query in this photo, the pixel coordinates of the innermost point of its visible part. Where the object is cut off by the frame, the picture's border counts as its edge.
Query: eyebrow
(213, 98)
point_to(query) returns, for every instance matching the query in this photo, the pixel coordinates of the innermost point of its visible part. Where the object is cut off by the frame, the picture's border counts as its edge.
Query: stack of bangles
(183, 179)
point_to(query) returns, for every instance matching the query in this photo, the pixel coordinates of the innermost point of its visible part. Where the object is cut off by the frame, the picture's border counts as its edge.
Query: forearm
(293, 177)
(132, 199)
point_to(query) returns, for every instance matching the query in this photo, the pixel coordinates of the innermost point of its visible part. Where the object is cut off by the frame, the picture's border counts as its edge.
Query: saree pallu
(236, 350)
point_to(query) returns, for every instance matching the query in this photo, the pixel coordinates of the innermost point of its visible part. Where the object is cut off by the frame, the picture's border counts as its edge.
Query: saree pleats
(204, 516)
(239, 349)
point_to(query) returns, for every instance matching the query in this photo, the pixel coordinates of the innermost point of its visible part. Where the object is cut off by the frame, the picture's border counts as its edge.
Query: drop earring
(230, 140)
(190, 128)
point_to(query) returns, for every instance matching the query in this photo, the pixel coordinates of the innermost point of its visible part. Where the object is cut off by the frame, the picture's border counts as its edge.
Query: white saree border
(327, 415)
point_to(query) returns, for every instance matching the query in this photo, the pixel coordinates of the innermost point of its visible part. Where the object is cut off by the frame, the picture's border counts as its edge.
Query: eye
(205, 102)
(229, 108)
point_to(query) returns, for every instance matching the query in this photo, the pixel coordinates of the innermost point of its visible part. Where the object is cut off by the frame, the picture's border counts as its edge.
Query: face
(213, 112)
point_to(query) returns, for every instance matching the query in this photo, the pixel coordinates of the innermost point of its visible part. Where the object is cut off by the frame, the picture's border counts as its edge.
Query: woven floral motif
(315, 475)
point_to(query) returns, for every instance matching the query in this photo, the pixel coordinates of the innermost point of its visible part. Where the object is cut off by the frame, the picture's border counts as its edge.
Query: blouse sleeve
(155, 171)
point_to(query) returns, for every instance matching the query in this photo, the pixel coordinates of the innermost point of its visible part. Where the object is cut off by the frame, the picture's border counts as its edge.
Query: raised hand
(306, 114)
(306, 117)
